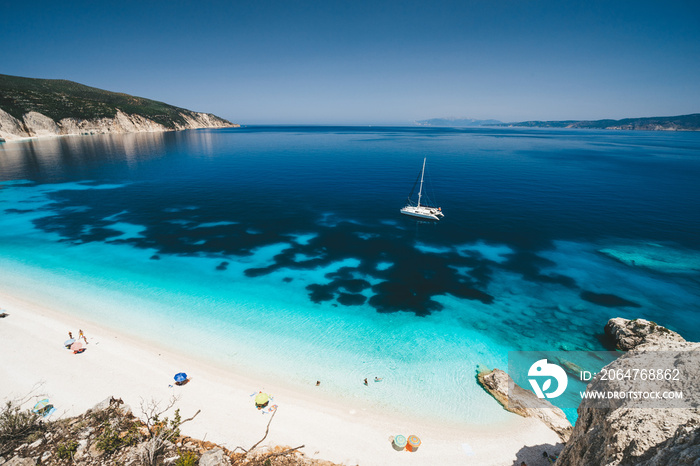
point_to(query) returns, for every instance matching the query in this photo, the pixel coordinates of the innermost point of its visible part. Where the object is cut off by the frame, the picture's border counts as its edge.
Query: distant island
(672, 123)
(32, 107)
(457, 122)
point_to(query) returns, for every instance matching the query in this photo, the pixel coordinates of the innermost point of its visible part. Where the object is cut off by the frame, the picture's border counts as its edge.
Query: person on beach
(366, 382)
(82, 335)
(318, 382)
(70, 335)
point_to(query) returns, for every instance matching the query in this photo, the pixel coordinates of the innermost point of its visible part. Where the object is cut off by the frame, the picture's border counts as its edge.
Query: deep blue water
(546, 235)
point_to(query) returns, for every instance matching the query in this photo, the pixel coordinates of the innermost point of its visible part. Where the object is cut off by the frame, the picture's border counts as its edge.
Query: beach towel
(468, 449)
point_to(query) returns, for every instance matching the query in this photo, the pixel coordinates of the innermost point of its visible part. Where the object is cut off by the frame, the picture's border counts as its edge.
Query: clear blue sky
(260, 61)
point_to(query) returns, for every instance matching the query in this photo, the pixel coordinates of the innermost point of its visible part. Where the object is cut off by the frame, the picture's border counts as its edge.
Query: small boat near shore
(424, 212)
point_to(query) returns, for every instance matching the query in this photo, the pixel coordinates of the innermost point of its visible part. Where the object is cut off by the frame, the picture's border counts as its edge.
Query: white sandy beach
(117, 365)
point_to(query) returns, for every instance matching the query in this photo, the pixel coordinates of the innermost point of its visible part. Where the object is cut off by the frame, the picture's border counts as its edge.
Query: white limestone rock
(214, 457)
(35, 124)
(630, 431)
(11, 128)
(523, 402)
(40, 125)
(629, 334)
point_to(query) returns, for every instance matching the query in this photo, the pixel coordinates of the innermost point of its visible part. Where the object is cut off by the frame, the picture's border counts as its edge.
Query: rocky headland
(630, 431)
(31, 108)
(624, 431)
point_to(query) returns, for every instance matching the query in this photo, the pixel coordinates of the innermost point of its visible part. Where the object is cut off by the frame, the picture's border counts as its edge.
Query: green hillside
(58, 99)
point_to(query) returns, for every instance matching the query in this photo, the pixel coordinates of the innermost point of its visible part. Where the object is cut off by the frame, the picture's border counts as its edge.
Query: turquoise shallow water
(280, 251)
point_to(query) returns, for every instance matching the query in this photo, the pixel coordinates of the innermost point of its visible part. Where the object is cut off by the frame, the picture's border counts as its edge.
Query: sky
(370, 62)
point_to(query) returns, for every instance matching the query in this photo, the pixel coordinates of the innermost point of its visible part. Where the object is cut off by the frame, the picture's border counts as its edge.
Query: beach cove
(35, 362)
(265, 259)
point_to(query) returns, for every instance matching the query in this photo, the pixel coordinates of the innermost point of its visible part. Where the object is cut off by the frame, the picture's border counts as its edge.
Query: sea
(279, 252)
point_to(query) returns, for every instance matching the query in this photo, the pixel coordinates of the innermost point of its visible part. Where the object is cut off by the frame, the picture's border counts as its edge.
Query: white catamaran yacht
(421, 211)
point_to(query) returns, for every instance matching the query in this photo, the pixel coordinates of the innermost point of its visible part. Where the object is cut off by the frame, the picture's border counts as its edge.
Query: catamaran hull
(425, 212)
(423, 215)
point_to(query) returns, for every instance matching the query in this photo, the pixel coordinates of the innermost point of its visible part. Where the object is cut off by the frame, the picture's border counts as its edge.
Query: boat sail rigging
(421, 211)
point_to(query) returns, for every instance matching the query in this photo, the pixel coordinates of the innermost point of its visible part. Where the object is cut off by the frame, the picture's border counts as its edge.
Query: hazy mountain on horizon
(456, 122)
(669, 123)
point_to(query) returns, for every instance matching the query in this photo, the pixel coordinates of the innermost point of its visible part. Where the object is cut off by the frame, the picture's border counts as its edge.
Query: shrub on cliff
(17, 426)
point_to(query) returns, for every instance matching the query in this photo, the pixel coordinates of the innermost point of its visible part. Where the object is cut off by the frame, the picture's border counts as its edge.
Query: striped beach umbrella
(399, 442)
(413, 443)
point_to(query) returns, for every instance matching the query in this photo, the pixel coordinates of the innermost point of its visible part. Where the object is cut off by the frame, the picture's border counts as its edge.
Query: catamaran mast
(421, 182)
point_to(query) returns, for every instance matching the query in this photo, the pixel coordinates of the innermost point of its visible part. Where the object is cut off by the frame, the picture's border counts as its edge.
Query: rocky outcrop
(629, 334)
(40, 125)
(203, 120)
(121, 123)
(683, 447)
(214, 457)
(109, 434)
(17, 461)
(523, 402)
(11, 127)
(635, 431)
(34, 124)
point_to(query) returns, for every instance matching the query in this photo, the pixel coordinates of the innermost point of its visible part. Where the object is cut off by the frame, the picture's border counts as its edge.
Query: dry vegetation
(110, 434)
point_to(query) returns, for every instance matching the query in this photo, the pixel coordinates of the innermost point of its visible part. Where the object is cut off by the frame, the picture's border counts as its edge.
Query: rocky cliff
(48, 107)
(630, 431)
(630, 334)
(34, 124)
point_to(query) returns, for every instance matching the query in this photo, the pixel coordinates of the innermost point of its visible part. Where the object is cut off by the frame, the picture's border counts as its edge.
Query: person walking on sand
(70, 335)
(82, 335)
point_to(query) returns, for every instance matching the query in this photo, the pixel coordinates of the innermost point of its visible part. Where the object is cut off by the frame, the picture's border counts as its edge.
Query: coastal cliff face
(31, 107)
(34, 124)
(626, 432)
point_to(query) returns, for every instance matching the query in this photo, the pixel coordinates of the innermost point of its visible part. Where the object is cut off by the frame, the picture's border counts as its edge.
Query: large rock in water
(524, 402)
(630, 431)
(628, 334)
